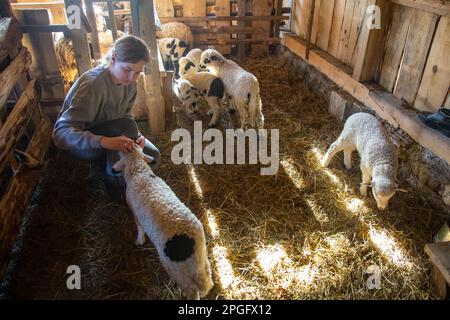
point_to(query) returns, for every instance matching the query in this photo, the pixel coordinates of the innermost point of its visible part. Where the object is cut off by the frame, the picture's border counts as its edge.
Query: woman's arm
(70, 129)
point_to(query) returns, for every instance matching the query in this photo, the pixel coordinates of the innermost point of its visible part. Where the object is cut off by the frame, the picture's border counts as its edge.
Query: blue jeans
(114, 128)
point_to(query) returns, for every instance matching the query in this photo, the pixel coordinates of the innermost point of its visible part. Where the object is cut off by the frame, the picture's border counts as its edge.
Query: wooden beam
(201, 19)
(10, 36)
(156, 111)
(234, 41)
(278, 12)
(12, 74)
(384, 104)
(94, 34)
(310, 26)
(223, 8)
(439, 255)
(227, 30)
(261, 8)
(112, 20)
(15, 125)
(368, 53)
(44, 65)
(241, 24)
(439, 7)
(36, 28)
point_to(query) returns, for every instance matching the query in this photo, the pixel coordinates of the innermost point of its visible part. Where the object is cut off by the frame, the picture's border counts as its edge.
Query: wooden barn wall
(414, 59)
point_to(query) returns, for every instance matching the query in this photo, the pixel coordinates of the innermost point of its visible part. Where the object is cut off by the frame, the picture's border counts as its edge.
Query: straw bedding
(304, 233)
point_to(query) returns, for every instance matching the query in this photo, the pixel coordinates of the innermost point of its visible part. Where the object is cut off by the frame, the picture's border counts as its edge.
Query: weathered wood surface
(19, 192)
(417, 46)
(12, 74)
(223, 8)
(10, 36)
(164, 8)
(436, 77)
(195, 9)
(325, 22)
(15, 125)
(336, 27)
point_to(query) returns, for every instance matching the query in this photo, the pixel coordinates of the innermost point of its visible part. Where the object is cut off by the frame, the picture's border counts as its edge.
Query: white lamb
(240, 85)
(202, 84)
(195, 55)
(176, 30)
(173, 229)
(379, 161)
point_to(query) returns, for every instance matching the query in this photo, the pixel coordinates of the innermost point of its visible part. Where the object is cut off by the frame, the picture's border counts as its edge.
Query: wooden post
(310, 26)
(112, 19)
(156, 110)
(278, 12)
(223, 9)
(261, 8)
(94, 34)
(44, 65)
(241, 36)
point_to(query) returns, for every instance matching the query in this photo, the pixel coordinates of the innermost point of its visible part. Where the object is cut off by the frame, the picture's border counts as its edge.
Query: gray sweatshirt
(92, 99)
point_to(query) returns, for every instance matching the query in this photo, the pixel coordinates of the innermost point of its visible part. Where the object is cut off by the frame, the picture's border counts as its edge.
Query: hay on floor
(304, 233)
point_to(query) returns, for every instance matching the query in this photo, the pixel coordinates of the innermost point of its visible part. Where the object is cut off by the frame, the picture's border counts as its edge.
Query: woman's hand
(121, 143)
(140, 141)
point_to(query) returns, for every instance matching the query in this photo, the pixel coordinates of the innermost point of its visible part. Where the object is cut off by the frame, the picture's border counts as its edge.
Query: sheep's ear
(119, 165)
(148, 159)
(182, 44)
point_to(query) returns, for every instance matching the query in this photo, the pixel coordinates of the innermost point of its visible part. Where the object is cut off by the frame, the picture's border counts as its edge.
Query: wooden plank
(223, 8)
(19, 192)
(336, 27)
(439, 255)
(315, 25)
(81, 47)
(90, 14)
(195, 9)
(210, 19)
(398, 32)
(346, 28)
(310, 26)
(439, 7)
(325, 21)
(12, 74)
(10, 36)
(278, 12)
(15, 125)
(416, 48)
(112, 20)
(227, 30)
(261, 8)
(436, 78)
(156, 112)
(44, 65)
(359, 13)
(241, 24)
(384, 104)
(368, 54)
(164, 8)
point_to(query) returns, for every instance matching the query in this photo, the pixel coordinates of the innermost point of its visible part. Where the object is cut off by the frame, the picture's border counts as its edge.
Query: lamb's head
(186, 66)
(211, 59)
(195, 55)
(187, 93)
(383, 189)
(128, 157)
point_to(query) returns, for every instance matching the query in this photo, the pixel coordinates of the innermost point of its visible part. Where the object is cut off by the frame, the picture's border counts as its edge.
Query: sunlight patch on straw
(288, 165)
(212, 224)
(279, 268)
(356, 205)
(389, 248)
(194, 179)
(317, 211)
(224, 268)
